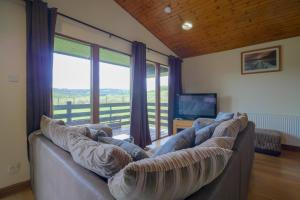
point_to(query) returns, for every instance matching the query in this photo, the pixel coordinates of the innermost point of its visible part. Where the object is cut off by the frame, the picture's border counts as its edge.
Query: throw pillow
(136, 152)
(222, 142)
(175, 175)
(58, 133)
(244, 120)
(182, 140)
(228, 128)
(100, 128)
(205, 133)
(202, 122)
(223, 116)
(103, 159)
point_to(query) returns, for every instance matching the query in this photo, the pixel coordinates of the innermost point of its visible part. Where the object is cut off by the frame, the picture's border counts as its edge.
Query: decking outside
(116, 115)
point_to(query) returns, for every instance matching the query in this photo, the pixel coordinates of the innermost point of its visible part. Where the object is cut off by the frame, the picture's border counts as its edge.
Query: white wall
(102, 13)
(275, 93)
(108, 15)
(13, 94)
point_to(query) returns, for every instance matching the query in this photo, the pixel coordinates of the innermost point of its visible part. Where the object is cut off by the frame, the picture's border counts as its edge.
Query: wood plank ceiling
(218, 24)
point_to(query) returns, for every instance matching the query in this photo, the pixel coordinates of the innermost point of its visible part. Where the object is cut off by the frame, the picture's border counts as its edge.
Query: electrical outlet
(14, 168)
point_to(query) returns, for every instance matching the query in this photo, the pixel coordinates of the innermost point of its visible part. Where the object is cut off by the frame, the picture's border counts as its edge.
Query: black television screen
(192, 106)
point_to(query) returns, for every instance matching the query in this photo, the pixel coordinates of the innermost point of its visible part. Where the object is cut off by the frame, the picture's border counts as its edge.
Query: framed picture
(261, 60)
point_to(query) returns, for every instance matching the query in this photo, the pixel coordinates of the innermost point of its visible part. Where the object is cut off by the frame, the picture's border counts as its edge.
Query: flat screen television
(192, 106)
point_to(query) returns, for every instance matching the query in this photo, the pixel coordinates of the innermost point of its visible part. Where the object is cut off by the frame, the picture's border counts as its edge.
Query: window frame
(158, 67)
(95, 80)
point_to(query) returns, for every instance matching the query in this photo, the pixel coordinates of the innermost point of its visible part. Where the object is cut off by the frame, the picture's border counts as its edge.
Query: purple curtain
(175, 88)
(40, 41)
(139, 126)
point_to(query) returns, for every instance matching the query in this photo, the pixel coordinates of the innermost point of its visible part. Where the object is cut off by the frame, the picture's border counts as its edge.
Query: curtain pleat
(175, 89)
(139, 125)
(40, 42)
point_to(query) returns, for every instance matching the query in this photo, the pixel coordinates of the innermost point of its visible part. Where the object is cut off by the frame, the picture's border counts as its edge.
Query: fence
(114, 114)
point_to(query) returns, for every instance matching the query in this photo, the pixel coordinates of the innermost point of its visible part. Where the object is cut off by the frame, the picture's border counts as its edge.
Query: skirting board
(14, 188)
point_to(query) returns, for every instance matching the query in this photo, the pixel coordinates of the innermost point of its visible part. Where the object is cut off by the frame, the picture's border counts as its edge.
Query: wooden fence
(113, 114)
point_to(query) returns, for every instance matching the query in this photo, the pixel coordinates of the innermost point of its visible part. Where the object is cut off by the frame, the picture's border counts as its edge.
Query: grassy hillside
(82, 96)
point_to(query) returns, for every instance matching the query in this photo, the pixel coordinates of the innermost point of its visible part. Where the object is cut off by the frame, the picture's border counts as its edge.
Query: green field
(108, 96)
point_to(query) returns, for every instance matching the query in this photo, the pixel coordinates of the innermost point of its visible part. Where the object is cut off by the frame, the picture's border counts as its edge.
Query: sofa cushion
(58, 133)
(202, 122)
(182, 140)
(223, 116)
(222, 142)
(228, 128)
(243, 117)
(136, 152)
(103, 159)
(205, 133)
(174, 175)
(102, 129)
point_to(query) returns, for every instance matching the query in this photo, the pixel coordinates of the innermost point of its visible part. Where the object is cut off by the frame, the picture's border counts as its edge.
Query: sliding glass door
(71, 81)
(164, 95)
(91, 84)
(157, 98)
(114, 87)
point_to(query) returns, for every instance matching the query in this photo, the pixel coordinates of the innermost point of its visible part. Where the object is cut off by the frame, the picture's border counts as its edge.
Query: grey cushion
(205, 133)
(101, 128)
(174, 175)
(182, 140)
(58, 133)
(223, 116)
(136, 152)
(228, 128)
(103, 159)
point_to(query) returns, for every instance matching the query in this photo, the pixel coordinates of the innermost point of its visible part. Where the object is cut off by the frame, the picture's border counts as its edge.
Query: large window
(71, 81)
(151, 99)
(157, 99)
(164, 95)
(91, 84)
(115, 91)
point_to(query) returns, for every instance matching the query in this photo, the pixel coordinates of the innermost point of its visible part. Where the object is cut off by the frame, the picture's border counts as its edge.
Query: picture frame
(261, 60)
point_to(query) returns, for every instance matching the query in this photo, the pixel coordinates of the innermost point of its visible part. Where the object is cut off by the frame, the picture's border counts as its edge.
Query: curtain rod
(106, 32)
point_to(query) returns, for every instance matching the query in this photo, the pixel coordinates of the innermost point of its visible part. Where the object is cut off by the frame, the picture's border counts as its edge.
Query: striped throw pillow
(222, 142)
(244, 120)
(175, 175)
(228, 128)
(58, 132)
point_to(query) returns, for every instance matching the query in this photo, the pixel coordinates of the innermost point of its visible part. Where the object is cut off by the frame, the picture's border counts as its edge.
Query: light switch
(13, 78)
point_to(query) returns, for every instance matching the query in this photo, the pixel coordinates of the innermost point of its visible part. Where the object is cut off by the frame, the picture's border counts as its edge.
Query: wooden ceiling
(218, 24)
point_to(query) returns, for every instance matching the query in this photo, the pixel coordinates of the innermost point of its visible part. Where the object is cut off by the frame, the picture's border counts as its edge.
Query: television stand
(180, 124)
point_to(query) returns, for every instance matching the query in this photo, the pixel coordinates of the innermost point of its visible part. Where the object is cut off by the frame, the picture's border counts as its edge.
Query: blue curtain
(175, 88)
(139, 126)
(40, 41)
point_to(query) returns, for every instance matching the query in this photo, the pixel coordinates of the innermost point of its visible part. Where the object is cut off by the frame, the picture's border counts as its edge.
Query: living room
(140, 71)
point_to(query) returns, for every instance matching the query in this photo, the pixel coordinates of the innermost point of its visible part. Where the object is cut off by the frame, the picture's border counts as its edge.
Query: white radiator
(289, 125)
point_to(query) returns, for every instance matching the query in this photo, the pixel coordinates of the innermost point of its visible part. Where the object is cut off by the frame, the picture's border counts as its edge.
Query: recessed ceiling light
(187, 26)
(168, 9)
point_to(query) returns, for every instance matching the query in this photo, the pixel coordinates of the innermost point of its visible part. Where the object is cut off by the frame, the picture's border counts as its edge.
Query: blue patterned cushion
(202, 122)
(223, 116)
(182, 140)
(205, 133)
(136, 152)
